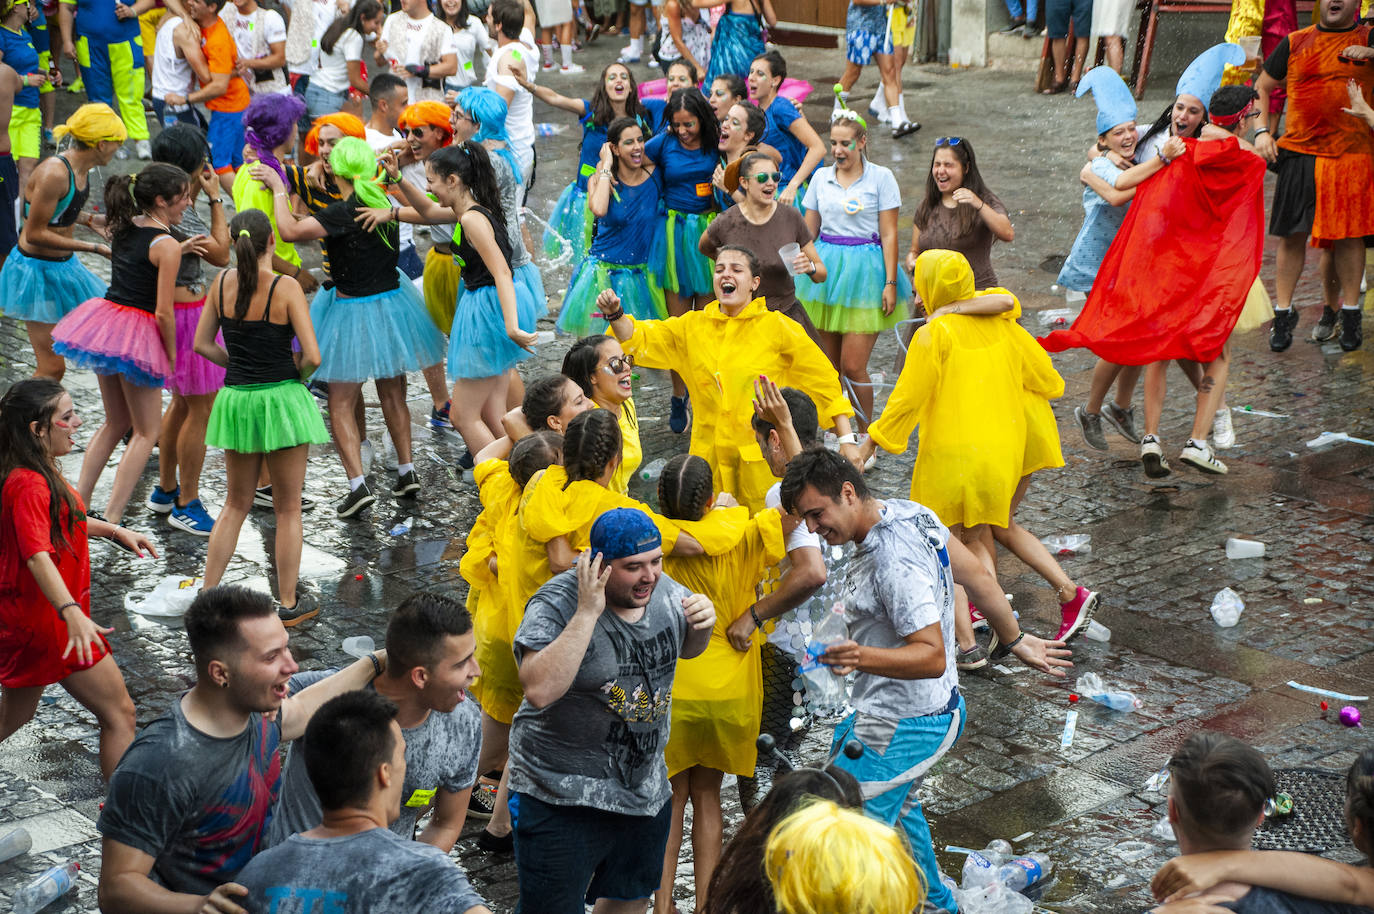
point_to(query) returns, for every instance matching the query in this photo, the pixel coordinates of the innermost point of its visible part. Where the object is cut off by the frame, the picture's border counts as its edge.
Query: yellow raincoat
(720, 357)
(979, 388)
(718, 695)
(631, 452)
(497, 689)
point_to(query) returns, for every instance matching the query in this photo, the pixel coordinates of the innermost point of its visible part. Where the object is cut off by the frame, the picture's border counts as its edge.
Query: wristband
(851, 438)
(376, 665)
(65, 605)
(1014, 641)
(1259, 130)
(890, 282)
(217, 200)
(753, 614)
(612, 318)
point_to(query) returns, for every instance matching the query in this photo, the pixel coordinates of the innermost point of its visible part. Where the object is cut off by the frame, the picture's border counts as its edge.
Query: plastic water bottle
(1227, 607)
(1070, 544)
(1090, 685)
(359, 646)
(1022, 872)
(649, 472)
(1097, 632)
(981, 867)
(15, 843)
(823, 687)
(549, 129)
(46, 889)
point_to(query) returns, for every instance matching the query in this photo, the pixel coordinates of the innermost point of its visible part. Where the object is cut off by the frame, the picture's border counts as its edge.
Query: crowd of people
(614, 660)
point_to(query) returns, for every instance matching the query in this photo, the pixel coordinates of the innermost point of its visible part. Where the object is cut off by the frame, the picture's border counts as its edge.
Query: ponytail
(251, 231)
(128, 195)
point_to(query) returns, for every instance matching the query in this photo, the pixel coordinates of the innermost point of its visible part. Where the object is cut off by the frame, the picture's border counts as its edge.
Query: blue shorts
(866, 34)
(1059, 12)
(226, 140)
(409, 262)
(568, 856)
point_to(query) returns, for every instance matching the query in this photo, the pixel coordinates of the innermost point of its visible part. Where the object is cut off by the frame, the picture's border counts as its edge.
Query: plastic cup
(1243, 549)
(1250, 44)
(789, 253)
(543, 336)
(359, 645)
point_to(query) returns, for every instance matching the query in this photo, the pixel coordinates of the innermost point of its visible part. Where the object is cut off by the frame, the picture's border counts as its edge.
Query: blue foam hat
(1203, 75)
(1115, 103)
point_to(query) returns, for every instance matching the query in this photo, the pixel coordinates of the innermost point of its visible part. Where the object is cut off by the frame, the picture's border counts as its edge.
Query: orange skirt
(1344, 207)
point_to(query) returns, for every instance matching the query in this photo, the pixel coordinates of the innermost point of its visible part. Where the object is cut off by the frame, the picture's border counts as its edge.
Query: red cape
(1176, 277)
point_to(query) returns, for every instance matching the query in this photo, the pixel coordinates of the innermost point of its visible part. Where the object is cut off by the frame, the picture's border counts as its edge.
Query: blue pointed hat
(1203, 75)
(1115, 103)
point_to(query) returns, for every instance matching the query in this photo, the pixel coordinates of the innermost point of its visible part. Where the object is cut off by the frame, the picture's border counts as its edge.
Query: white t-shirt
(380, 141)
(326, 11)
(332, 76)
(474, 46)
(520, 113)
(243, 30)
(408, 56)
(170, 72)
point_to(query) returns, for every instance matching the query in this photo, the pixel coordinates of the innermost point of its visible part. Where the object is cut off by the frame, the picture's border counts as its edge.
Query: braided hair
(591, 444)
(684, 489)
(534, 452)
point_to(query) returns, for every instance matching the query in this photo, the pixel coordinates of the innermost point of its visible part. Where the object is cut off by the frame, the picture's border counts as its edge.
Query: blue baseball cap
(624, 531)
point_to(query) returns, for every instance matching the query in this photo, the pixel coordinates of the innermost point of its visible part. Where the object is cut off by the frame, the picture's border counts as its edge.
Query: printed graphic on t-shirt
(230, 831)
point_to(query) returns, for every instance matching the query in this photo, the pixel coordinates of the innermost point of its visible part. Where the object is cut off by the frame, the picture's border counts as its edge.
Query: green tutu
(261, 418)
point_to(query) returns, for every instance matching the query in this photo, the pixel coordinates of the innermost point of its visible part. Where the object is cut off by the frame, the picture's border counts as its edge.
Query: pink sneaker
(976, 617)
(1076, 614)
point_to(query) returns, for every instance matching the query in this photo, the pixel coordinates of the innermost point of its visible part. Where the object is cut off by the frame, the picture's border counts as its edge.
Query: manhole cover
(1317, 823)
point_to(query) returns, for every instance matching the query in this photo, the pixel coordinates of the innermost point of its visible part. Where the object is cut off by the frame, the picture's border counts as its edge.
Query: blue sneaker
(160, 501)
(192, 517)
(439, 419)
(677, 415)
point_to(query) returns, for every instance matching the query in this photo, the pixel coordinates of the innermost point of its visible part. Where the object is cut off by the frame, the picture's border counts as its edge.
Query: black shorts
(1295, 194)
(568, 856)
(9, 192)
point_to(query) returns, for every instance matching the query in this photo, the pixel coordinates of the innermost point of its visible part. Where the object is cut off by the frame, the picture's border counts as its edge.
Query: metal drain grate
(1317, 823)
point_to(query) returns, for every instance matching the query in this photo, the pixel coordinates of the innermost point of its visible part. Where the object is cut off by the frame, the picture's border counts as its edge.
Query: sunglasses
(618, 363)
(949, 141)
(764, 177)
(416, 132)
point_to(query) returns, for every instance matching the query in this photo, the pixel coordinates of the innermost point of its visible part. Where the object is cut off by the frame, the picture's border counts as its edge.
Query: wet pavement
(1157, 555)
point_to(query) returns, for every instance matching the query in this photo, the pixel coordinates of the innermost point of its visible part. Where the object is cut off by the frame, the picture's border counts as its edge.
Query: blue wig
(488, 111)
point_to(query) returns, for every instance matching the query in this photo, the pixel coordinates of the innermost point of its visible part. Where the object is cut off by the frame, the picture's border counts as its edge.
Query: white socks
(354, 483)
(567, 55)
(404, 468)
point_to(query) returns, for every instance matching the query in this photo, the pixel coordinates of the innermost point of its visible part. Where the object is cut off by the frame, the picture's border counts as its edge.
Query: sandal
(1055, 88)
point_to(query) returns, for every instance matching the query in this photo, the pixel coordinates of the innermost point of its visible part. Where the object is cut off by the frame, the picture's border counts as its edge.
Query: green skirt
(261, 418)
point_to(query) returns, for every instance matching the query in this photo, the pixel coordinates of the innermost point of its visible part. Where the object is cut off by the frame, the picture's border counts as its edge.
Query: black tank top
(69, 207)
(133, 275)
(475, 272)
(259, 351)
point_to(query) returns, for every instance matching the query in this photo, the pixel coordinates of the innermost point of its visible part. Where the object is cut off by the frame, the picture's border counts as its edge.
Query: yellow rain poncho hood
(942, 277)
(91, 124)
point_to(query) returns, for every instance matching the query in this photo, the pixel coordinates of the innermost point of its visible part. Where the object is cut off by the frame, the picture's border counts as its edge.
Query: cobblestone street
(1157, 553)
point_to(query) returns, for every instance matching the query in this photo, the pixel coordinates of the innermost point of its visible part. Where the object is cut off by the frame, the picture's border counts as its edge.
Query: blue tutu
(45, 291)
(571, 220)
(676, 257)
(374, 336)
(478, 347)
(639, 294)
(738, 40)
(530, 277)
(851, 298)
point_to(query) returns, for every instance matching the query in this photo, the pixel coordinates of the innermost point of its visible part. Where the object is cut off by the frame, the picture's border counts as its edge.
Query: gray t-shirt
(1271, 901)
(601, 744)
(191, 273)
(198, 804)
(441, 754)
(898, 583)
(372, 872)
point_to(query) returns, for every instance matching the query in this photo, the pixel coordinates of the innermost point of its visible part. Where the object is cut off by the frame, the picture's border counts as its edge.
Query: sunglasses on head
(949, 141)
(618, 363)
(764, 177)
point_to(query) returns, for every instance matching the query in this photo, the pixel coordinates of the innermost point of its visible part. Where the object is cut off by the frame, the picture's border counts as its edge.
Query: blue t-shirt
(625, 234)
(38, 31)
(686, 173)
(96, 19)
(780, 115)
(1101, 221)
(20, 54)
(593, 137)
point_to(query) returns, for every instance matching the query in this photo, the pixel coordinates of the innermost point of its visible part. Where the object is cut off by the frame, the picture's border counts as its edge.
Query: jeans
(1028, 10)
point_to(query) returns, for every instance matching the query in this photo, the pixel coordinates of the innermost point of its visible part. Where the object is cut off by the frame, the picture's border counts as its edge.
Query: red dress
(32, 634)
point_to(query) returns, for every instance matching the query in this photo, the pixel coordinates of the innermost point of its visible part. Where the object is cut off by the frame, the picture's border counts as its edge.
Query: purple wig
(268, 120)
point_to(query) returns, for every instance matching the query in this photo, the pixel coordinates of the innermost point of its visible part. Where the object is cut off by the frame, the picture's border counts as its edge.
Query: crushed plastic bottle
(359, 645)
(1020, 873)
(1090, 685)
(1057, 317)
(1097, 632)
(1163, 830)
(650, 471)
(1158, 782)
(993, 898)
(1069, 544)
(15, 843)
(1227, 607)
(549, 129)
(402, 528)
(46, 889)
(823, 688)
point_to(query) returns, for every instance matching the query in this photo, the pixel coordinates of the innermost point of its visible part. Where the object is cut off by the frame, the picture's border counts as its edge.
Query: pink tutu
(194, 374)
(795, 90)
(113, 339)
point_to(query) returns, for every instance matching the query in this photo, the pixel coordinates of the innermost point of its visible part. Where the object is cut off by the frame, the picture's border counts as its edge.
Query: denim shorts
(1059, 12)
(566, 856)
(319, 102)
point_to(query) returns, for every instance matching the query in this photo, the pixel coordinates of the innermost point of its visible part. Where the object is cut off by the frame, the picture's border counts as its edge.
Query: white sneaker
(879, 113)
(1223, 431)
(572, 69)
(144, 150)
(1200, 456)
(1152, 457)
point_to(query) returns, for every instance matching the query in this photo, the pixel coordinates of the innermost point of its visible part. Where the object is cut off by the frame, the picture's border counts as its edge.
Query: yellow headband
(93, 123)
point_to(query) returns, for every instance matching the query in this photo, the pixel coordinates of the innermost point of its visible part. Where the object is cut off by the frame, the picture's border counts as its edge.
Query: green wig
(354, 160)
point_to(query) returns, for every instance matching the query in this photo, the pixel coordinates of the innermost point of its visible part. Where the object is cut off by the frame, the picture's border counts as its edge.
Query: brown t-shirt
(942, 233)
(785, 227)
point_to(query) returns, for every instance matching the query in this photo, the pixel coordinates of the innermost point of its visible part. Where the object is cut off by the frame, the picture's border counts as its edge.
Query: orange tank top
(1317, 93)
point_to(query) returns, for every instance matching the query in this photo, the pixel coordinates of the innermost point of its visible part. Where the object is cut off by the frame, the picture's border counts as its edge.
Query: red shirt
(222, 55)
(32, 634)
(1316, 80)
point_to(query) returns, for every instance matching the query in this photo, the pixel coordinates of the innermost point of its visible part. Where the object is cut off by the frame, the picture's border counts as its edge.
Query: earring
(224, 684)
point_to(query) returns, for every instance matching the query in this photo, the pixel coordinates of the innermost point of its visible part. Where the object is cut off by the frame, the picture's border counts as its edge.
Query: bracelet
(753, 614)
(1259, 130)
(812, 271)
(65, 605)
(217, 200)
(850, 438)
(395, 214)
(890, 282)
(981, 204)
(1014, 641)
(612, 318)
(376, 665)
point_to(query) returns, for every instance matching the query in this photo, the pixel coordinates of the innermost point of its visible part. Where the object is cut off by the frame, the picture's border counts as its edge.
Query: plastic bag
(171, 597)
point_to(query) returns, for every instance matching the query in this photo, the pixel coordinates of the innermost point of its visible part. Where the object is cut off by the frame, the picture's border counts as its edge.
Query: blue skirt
(736, 43)
(530, 277)
(636, 285)
(45, 291)
(375, 336)
(478, 346)
(677, 259)
(851, 298)
(571, 221)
